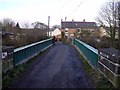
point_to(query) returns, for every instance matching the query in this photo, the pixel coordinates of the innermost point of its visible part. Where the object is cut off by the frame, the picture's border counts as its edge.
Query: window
(79, 30)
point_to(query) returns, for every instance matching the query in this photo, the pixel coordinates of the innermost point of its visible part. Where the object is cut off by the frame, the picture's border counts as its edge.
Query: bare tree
(56, 26)
(0, 21)
(0, 25)
(108, 17)
(36, 25)
(39, 25)
(8, 21)
(26, 25)
(7, 24)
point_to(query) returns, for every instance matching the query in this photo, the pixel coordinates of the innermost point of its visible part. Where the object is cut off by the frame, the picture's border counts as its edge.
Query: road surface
(58, 67)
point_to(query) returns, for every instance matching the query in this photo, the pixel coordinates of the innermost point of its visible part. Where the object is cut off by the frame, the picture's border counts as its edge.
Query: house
(105, 31)
(75, 27)
(102, 31)
(56, 32)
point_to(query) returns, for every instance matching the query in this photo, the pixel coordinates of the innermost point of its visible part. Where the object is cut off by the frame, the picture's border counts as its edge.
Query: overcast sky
(38, 10)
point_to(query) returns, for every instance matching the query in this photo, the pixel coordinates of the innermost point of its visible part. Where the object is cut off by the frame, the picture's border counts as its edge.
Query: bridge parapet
(23, 54)
(90, 53)
(107, 60)
(109, 64)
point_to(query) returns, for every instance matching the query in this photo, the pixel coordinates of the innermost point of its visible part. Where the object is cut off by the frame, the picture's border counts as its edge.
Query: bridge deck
(59, 67)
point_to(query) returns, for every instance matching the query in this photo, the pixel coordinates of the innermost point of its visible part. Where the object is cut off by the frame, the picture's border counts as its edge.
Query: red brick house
(75, 27)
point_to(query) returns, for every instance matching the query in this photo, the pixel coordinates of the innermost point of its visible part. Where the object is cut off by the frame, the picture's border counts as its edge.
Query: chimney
(65, 19)
(61, 20)
(83, 20)
(72, 20)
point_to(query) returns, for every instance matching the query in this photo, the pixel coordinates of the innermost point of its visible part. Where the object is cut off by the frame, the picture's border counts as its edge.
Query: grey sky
(39, 10)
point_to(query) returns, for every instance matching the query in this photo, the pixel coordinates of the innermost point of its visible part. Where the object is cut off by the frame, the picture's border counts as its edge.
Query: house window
(79, 30)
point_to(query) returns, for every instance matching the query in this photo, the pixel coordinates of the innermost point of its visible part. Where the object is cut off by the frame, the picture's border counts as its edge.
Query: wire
(64, 5)
(77, 7)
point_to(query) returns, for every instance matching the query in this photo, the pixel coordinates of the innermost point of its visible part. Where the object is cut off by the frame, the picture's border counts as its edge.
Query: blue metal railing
(90, 53)
(24, 53)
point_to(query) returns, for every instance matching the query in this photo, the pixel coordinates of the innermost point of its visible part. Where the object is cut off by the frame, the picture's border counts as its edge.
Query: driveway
(59, 67)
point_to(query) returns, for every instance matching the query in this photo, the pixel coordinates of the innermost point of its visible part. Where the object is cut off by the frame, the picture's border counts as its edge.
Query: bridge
(60, 66)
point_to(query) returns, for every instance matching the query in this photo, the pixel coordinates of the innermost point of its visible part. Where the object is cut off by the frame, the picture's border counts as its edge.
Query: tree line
(14, 35)
(36, 25)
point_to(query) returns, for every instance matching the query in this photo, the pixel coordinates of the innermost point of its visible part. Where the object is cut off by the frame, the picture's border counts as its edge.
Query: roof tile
(78, 25)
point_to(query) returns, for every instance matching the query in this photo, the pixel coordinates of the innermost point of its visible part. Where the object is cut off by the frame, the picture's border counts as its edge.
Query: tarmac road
(59, 67)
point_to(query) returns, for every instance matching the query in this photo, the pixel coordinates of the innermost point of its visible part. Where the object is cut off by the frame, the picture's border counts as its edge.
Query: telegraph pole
(119, 25)
(48, 24)
(65, 19)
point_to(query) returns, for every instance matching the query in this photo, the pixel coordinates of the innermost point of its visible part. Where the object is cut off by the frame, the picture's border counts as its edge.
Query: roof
(56, 32)
(73, 24)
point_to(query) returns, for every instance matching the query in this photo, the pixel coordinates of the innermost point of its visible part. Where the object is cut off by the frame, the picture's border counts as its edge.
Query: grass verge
(98, 79)
(12, 75)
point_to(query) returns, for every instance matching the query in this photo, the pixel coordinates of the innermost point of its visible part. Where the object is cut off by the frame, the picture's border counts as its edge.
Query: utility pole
(48, 25)
(118, 31)
(119, 25)
(65, 19)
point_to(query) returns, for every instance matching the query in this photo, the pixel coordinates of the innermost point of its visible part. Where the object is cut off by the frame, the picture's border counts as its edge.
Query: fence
(90, 53)
(23, 54)
(7, 57)
(109, 64)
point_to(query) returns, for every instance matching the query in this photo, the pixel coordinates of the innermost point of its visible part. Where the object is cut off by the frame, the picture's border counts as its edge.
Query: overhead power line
(78, 6)
(64, 5)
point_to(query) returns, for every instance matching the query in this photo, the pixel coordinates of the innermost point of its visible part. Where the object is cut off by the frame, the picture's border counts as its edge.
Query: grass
(100, 81)
(11, 76)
